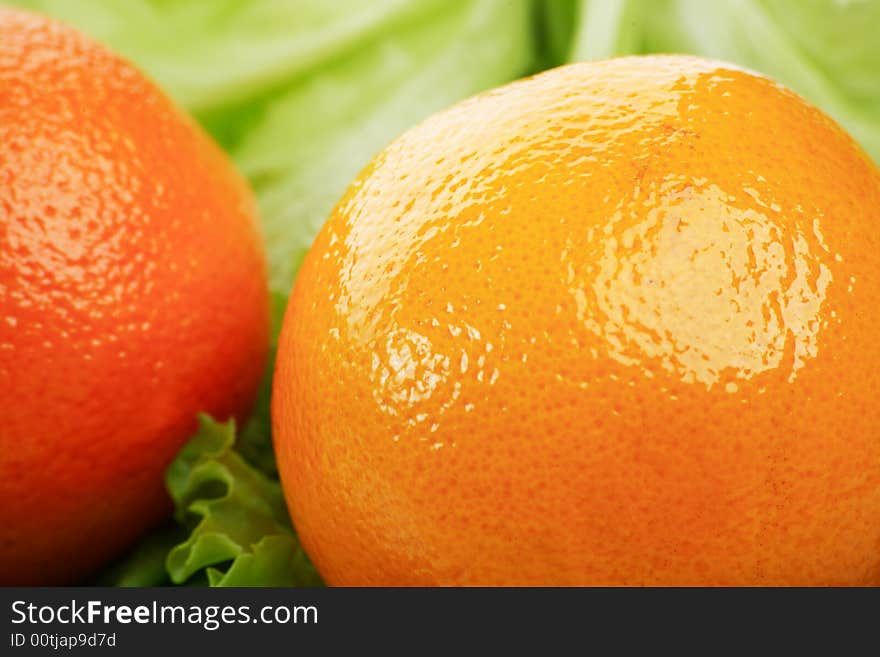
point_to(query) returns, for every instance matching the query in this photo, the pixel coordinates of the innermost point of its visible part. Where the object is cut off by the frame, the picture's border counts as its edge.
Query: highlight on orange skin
(614, 324)
(132, 297)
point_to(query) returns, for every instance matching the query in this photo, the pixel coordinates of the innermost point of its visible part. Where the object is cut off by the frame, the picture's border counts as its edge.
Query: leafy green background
(301, 93)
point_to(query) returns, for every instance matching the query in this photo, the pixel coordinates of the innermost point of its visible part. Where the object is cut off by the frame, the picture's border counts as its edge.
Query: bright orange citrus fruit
(132, 296)
(616, 324)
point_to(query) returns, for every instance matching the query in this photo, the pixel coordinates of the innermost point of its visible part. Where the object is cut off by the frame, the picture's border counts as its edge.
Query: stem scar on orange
(132, 296)
(615, 324)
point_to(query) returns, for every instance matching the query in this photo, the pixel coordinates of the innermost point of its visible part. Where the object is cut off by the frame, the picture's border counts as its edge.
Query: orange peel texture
(615, 324)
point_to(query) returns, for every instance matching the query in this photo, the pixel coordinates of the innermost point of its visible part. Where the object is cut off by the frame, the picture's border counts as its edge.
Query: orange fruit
(132, 296)
(615, 324)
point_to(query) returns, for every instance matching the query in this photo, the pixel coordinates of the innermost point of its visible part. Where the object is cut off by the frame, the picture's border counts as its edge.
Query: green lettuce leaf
(144, 565)
(230, 525)
(240, 530)
(555, 23)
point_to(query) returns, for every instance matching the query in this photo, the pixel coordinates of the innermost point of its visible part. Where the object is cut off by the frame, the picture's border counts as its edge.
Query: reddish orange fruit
(132, 296)
(615, 324)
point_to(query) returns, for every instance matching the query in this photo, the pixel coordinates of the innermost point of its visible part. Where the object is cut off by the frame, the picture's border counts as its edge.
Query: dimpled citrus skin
(615, 324)
(132, 296)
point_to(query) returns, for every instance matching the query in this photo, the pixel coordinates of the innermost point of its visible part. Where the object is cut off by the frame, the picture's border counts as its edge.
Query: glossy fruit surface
(615, 324)
(132, 296)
